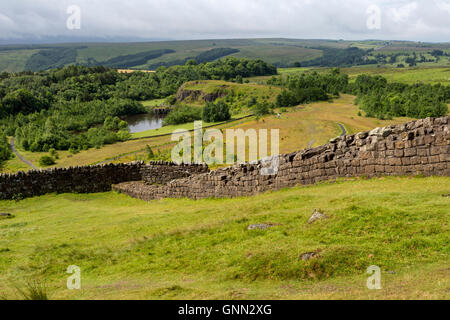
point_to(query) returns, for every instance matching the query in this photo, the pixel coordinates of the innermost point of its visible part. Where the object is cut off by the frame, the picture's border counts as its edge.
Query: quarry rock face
(184, 94)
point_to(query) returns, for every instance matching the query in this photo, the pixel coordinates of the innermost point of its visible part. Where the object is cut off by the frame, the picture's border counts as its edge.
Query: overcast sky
(422, 20)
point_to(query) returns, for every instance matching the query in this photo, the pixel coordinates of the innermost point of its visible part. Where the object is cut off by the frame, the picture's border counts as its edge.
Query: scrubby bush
(183, 114)
(216, 112)
(46, 161)
(262, 108)
(150, 153)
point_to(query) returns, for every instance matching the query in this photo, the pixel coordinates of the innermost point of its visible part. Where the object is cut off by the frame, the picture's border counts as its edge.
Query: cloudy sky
(421, 20)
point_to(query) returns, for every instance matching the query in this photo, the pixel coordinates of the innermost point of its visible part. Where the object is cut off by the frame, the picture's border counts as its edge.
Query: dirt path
(344, 131)
(28, 163)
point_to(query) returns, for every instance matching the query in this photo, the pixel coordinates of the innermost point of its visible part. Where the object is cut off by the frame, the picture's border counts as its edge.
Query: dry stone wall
(418, 147)
(89, 179)
(165, 172)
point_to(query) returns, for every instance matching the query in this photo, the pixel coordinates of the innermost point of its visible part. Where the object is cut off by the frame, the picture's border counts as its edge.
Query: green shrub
(150, 153)
(171, 100)
(216, 112)
(123, 135)
(46, 161)
(183, 114)
(261, 109)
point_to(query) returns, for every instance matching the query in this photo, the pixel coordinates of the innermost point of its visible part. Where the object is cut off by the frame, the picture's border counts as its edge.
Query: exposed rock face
(418, 147)
(194, 95)
(316, 216)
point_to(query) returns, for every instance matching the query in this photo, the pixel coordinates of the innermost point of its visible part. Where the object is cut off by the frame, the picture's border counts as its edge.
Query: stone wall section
(420, 147)
(165, 172)
(90, 179)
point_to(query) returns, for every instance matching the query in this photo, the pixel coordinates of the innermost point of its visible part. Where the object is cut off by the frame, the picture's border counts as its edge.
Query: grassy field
(424, 74)
(15, 60)
(185, 249)
(431, 75)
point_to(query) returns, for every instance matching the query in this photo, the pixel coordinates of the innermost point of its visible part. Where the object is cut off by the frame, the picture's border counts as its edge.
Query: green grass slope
(184, 249)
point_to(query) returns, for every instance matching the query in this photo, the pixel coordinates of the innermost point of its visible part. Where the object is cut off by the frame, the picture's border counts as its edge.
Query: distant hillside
(279, 52)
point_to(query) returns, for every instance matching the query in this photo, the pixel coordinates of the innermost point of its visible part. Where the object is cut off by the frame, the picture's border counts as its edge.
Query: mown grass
(185, 249)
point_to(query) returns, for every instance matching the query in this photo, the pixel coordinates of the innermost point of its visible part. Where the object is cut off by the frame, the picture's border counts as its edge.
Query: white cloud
(423, 20)
(402, 13)
(443, 5)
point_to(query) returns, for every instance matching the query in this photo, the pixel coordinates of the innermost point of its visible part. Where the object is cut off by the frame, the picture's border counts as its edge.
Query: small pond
(144, 122)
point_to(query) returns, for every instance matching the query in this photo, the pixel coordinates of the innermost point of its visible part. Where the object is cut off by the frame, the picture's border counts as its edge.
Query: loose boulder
(317, 215)
(309, 255)
(262, 226)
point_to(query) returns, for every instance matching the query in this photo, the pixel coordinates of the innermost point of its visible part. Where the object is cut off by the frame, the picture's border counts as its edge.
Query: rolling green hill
(280, 52)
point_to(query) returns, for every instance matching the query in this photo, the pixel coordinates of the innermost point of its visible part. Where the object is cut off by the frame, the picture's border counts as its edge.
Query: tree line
(309, 87)
(379, 98)
(375, 95)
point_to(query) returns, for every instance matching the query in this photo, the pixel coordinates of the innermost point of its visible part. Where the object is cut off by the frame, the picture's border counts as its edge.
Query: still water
(144, 122)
